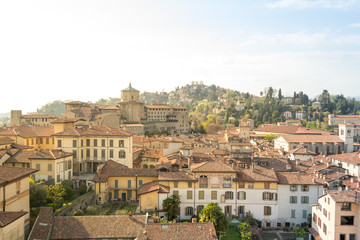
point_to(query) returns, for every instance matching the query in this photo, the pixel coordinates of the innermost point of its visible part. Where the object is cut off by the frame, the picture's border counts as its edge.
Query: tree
(56, 194)
(279, 94)
(171, 206)
(38, 195)
(300, 231)
(270, 137)
(244, 229)
(213, 213)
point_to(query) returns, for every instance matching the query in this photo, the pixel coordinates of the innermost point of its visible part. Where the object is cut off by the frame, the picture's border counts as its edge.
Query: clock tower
(346, 133)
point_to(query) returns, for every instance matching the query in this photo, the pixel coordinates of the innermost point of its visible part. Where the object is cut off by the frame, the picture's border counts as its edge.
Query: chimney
(189, 162)
(193, 220)
(130, 215)
(314, 181)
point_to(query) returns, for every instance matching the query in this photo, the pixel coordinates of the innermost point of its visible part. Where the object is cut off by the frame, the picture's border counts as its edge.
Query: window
(95, 142)
(74, 154)
(38, 166)
(201, 195)
(305, 188)
(103, 142)
(82, 142)
(189, 184)
(242, 195)
(59, 143)
(95, 153)
(199, 209)
(268, 224)
(203, 182)
(129, 183)
(293, 188)
(47, 141)
(347, 220)
(269, 196)
(140, 182)
(227, 182)
(292, 213)
(213, 195)
(69, 165)
(121, 143)
(121, 154)
(267, 185)
(229, 195)
(189, 194)
(304, 199)
(111, 143)
(267, 210)
(111, 153)
(342, 236)
(88, 142)
(189, 211)
(352, 237)
(49, 167)
(346, 207)
(176, 192)
(102, 153)
(304, 214)
(176, 184)
(17, 187)
(324, 228)
(74, 143)
(87, 153)
(250, 185)
(293, 199)
(241, 184)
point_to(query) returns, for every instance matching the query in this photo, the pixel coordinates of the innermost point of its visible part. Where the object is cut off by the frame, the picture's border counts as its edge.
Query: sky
(87, 50)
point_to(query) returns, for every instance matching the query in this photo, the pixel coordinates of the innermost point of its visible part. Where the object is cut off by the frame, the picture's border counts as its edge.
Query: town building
(17, 119)
(287, 114)
(300, 115)
(14, 196)
(335, 216)
(93, 145)
(334, 120)
(12, 225)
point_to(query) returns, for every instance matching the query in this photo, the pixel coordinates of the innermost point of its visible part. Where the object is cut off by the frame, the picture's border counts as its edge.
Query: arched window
(203, 183)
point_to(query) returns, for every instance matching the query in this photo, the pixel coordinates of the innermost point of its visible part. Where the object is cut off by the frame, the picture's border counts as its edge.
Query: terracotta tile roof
(179, 231)
(344, 196)
(353, 158)
(6, 140)
(296, 178)
(175, 176)
(152, 153)
(42, 225)
(315, 234)
(95, 131)
(98, 227)
(259, 174)
(26, 131)
(113, 169)
(301, 151)
(68, 120)
(186, 147)
(26, 156)
(8, 217)
(291, 130)
(43, 131)
(138, 139)
(39, 116)
(311, 138)
(153, 186)
(212, 166)
(8, 174)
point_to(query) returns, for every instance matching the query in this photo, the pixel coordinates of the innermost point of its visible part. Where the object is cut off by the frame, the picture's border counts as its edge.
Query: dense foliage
(213, 213)
(171, 206)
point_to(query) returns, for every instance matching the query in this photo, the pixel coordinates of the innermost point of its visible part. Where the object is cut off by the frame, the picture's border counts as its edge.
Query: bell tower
(346, 133)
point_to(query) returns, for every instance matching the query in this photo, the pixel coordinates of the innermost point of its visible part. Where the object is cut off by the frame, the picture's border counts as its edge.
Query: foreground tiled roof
(42, 225)
(296, 178)
(258, 174)
(27, 131)
(98, 227)
(179, 231)
(344, 196)
(114, 169)
(26, 156)
(95, 131)
(8, 174)
(8, 217)
(311, 138)
(153, 186)
(5, 140)
(315, 234)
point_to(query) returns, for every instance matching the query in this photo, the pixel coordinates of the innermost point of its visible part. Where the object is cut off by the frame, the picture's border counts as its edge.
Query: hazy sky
(87, 50)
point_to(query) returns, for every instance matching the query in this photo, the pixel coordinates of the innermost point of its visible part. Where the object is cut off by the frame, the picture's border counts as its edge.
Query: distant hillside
(56, 107)
(5, 115)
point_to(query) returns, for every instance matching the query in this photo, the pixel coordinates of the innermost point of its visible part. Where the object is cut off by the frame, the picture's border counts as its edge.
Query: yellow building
(12, 225)
(93, 145)
(115, 181)
(33, 136)
(14, 190)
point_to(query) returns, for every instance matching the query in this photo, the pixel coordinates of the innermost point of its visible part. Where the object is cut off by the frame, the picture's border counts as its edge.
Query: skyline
(87, 50)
